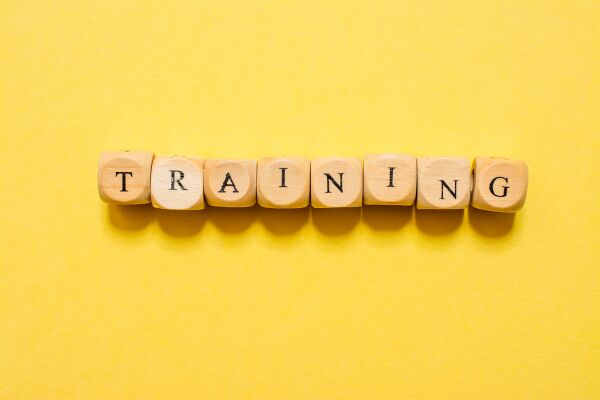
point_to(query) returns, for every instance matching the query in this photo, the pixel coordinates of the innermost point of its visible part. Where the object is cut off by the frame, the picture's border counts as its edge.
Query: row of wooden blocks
(184, 182)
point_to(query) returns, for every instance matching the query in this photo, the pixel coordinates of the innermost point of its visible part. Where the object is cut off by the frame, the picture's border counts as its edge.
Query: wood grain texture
(390, 179)
(177, 183)
(336, 182)
(443, 183)
(283, 182)
(499, 184)
(124, 177)
(230, 183)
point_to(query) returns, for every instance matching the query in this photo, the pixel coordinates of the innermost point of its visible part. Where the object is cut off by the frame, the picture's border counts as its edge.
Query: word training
(437, 183)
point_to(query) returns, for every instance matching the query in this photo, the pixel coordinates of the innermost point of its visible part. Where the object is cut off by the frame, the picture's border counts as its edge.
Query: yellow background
(100, 302)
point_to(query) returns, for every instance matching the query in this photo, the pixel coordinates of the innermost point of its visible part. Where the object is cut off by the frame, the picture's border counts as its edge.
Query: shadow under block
(499, 184)
(444, 183)
(230, 183)
(283, 182)
(124, 177)
(390, 179)
(336, 182)
(177, 183)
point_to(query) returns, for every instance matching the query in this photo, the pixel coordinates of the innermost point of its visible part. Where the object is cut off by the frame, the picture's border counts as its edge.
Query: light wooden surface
(443, 183)
(230, 183)
(124, 177)
(390, 179)
(499, 184)
(336, 182)
(283, 182)
(177, 183)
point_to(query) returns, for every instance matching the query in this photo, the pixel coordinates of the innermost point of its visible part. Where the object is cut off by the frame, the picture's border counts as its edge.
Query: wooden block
(443, 183)
(336, 182)
(283, 182)
(390, 179)
(177, 183)
(124, 177)
(230, 183)
(499, 184)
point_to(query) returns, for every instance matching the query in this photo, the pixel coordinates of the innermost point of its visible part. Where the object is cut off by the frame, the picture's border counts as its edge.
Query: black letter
(123, 184)
(505, 192)
(444, 184)
(330, 179)
(225, 184)
(173, 180)
(282, 177)
(391, 177)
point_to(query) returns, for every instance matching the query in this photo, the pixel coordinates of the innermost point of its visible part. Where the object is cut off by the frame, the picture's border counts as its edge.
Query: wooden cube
(336, 182)
(499, 184)
(177, 183)
(390, 179)
(124, 177)
(444, 183)
(283, 182)
(230, 183)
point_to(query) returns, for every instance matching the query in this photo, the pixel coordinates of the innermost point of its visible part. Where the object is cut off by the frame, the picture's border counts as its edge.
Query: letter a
(228, 182)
